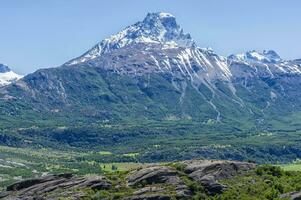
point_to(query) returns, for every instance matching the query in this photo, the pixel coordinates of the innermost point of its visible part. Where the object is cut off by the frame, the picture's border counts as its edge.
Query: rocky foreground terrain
(178, 180)
(193, 179)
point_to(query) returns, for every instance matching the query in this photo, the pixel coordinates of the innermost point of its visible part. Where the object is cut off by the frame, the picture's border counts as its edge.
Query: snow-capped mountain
(265, 64)
(255, 57)
(157, 28)
(157, 44)
(7, 76)
(153, 69)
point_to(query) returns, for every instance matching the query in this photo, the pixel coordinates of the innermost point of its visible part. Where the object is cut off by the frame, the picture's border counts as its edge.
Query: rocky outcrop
(208, 173)
(292, 196)
(153, 174)
(157, 175)
(156, 182)
(205, 172)
(54, 187)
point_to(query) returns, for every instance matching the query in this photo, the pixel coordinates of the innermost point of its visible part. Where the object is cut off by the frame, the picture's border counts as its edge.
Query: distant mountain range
(153, 70)
(7, 76)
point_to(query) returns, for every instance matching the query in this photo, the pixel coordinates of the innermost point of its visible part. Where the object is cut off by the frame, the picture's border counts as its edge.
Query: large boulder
(157, 175)
(157, 182)
(209, 172)
(54, 187)
(153, 174)
(31, 182)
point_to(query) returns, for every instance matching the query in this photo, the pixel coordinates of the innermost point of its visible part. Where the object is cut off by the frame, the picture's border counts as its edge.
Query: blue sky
(36, 34)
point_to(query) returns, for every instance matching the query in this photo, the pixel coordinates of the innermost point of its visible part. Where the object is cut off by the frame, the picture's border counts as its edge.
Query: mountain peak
(156, 28)
(163, 28)
(7, 76)
(265, 56)
(166, 20)
(4, 68)
(158, 15)
(272, 55)
(162, 14)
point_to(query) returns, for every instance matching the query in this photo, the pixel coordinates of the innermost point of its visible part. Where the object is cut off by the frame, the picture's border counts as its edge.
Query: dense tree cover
(265, 183)
(161, 141)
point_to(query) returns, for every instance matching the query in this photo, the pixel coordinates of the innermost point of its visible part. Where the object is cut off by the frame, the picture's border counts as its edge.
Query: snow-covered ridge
(266, 63)
(159, 28)
(159, 32)
(7, 76)
(254, 56)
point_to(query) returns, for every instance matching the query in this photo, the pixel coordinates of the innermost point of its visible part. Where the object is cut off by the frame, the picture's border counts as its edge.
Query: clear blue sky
(36, 34)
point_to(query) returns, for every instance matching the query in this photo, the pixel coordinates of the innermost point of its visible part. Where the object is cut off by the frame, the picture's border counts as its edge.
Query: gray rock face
(292, 196)
(150, 197)
(157, 175)
(154, 174)
(150, 193)
(4, 68)
(158, 28)
(157, 182)
(31, 182)
(149, 189)
(53, 187)
(209, 172)
(206, 172)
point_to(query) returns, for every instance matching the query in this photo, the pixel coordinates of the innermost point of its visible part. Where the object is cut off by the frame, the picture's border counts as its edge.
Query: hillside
(149, 89)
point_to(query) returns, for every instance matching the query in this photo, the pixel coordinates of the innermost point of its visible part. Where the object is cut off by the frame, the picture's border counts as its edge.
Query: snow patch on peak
(8, 77)
(254, 57)
(160, 17)
(163, 14)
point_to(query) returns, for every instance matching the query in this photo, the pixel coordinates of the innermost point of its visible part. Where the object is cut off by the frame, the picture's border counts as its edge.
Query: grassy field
(21, 163)
(294, 166)
(160, 142)
(126, 166)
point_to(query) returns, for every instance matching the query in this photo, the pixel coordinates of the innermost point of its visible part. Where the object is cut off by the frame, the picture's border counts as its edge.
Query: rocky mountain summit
(4, 68)
(153, 182)
(157, 28)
